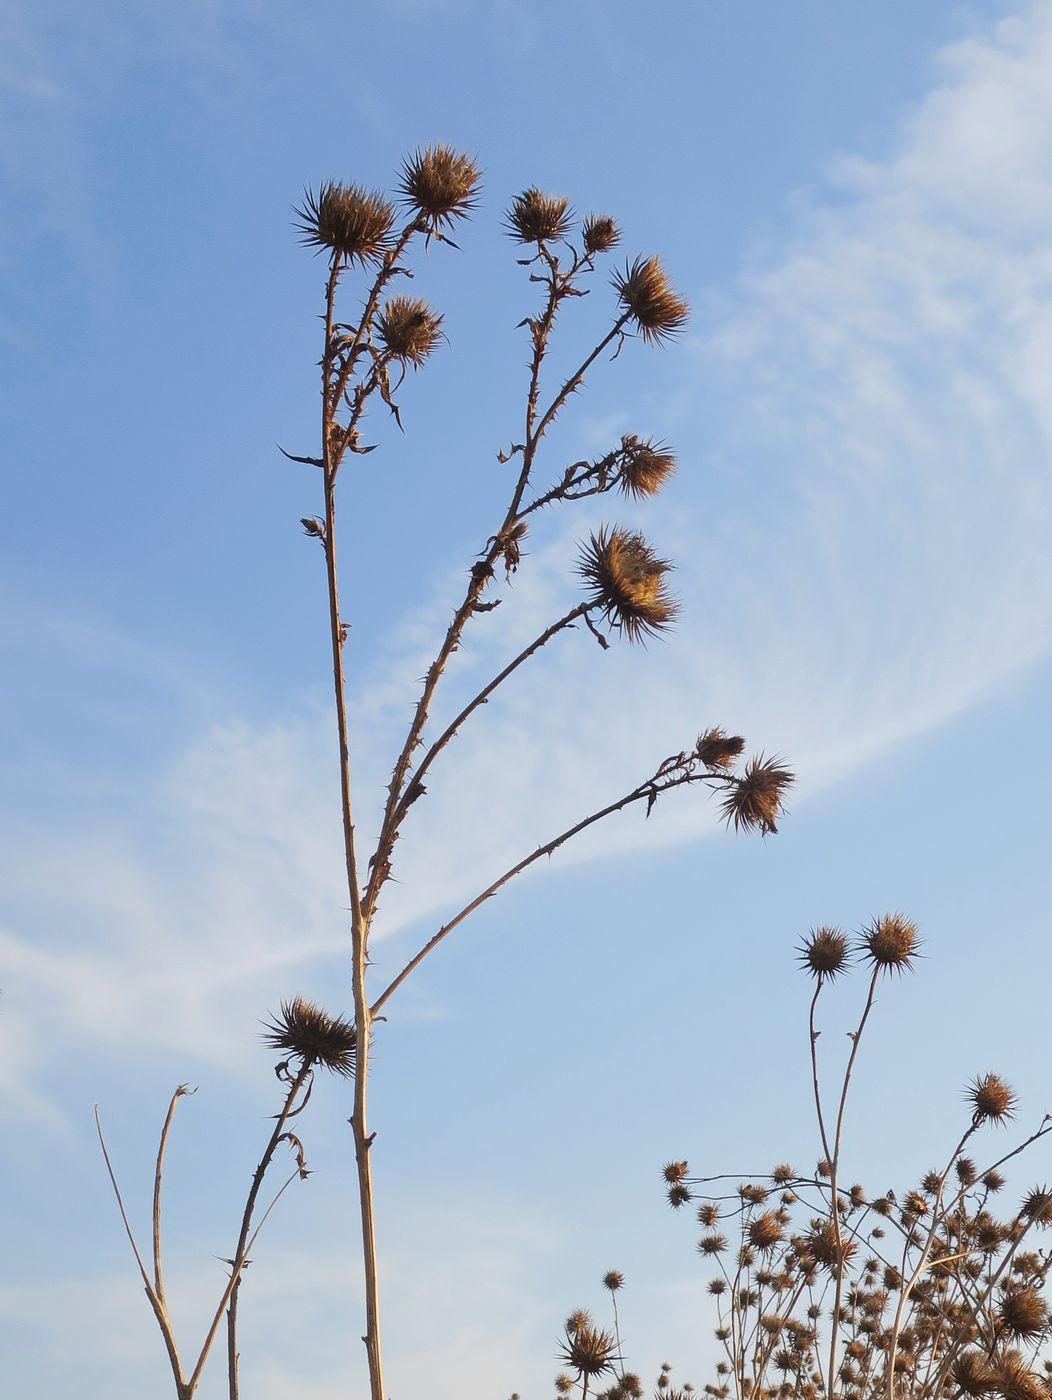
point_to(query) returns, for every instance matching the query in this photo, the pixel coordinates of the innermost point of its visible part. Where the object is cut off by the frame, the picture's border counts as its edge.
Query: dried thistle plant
(364, 359)
(824, 1290)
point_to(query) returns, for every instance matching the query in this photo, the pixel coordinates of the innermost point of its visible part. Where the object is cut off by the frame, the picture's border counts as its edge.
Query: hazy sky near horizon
(857, 202)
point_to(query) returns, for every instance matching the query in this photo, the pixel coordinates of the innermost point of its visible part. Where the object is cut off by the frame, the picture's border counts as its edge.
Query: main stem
(359, 928)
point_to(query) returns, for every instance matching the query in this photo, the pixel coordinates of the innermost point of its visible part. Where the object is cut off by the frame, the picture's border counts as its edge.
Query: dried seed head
(600, 234)
(627, 580)
(613, 1280)
(824, 952)
(538, 218)
(754, 801)
(674, 1171)
(820, 1245)
(991, 1098)
(354, 222)
(409, 329)
(644, 467)
(782, 1174)
(965, 1169)
(1037, 1207)
(973, 1374)
(441, 184)
(718, 750)
(993, 1181)
(579, 1318)
(588, 1350)
(631, 1386)
(1016, 1381)
(765, 1231)
(1023, 1312)
(563, 1383)
(708, 1214)
(304, 1030)
(712, 1244)
(678, 1195)
(890, 943)
(643, 290)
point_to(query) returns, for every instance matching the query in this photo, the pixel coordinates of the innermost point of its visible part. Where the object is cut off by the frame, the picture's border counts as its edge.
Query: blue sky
(857, 201)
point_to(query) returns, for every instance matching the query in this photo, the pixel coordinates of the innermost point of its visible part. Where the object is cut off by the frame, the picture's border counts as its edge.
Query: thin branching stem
(645, 791)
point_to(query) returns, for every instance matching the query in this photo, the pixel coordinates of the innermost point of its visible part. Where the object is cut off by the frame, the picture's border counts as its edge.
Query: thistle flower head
(600, 234)
(613, 1279)
(409, 329)
(754, 801)
(1037, 1206)
(643, 290)
(890, 943)
(992, 1100)
(718, 750)
(645, 467)
(441, 184)
(674, 1171)
(765, 1231)
(535, 217)
(353, 222)
(1016, 1381)
(1023, 1312)
(588, 1350)
(627, 580)
(313, 1036)
(824, 952)
(973, 1374)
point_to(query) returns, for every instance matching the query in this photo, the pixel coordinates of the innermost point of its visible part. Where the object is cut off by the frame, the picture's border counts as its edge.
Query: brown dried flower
(315, 1037)
(765, 1231)
(600, 234)
(1016, 1381)
(991, 1098)
(674, 1171)
(1037, 1206)
(441, 184)
(890, 943)
(354, 222)
(643, 290)
(717, 750)
(824, 952)
(588, 1350)
(645, 467)
(628, 581)
(972, 1373)
(754, 801)
(409, 329)
(538, 218)
(1023, 1312)
(613, 1279)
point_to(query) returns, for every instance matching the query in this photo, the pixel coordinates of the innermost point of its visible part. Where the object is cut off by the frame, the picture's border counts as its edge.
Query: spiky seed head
(678, 1195)
(313, 1036)
(627, 580)
(1023, 1312)
(965, 1169)
(825, 952)
(613, 1279)
(710, 1245)
(991, 1098)
(1037, 1206)
(644, 466)
(563, 1383)
(631, 1385)
(588, 1350)
(409, 329)
(718, 750)
(353, 222)
(754, 801)
(890, 943)
(580, 1317)
(753, 1194)
(535, 217)
(782, 1174)
(821, 1246)
(765, 1231)
(441, 184)
(1016, 1381)
(600, 234)
(717, 1287)
(674, 1171)
(643, 290)
(973, 1374)
(993, 1181)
